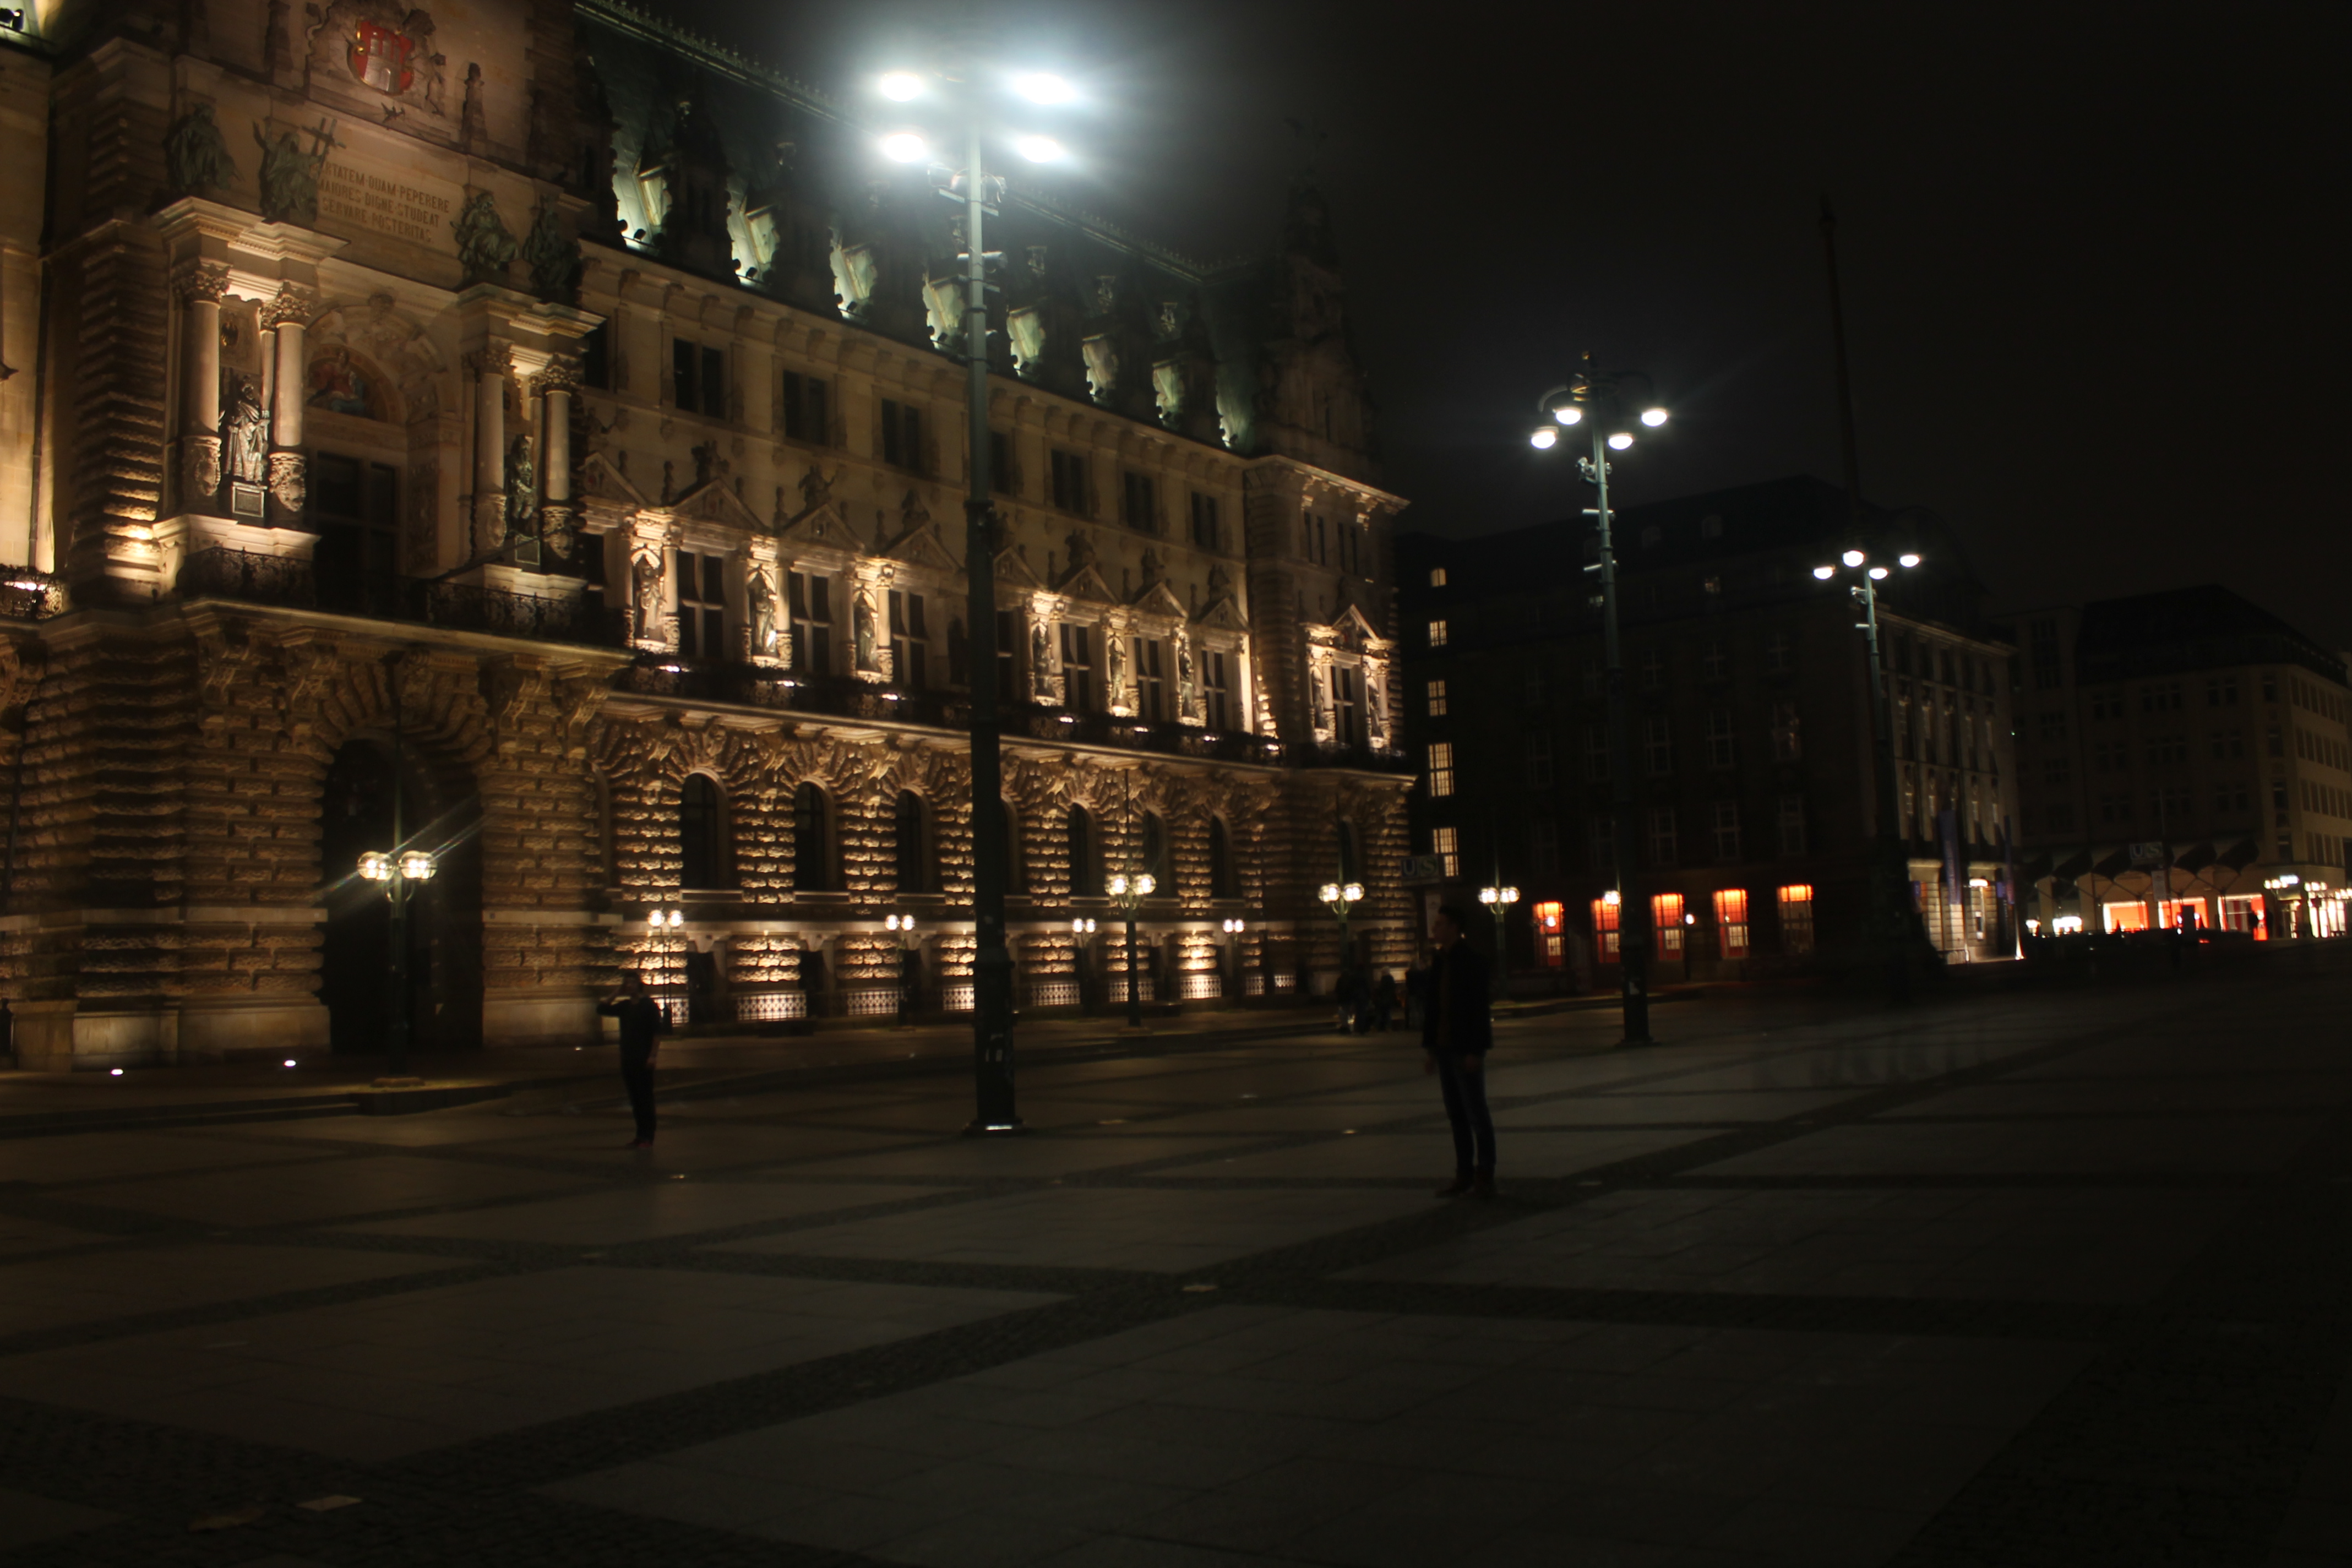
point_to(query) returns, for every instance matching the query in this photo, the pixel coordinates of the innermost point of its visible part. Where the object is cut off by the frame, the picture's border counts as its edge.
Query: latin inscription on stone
(399, 206)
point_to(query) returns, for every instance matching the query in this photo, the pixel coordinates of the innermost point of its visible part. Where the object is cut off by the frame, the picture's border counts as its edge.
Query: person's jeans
(1465, 1108)
(637, 1077)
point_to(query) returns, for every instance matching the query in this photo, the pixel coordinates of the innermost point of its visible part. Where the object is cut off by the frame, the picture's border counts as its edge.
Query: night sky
(2097, 318)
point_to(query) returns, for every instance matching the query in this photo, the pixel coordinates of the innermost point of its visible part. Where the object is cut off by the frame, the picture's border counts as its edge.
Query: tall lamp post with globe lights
(968, 103)
(1498, 902)
(398, 871)
(1128, 890)
(1595, 400)
(1890, 896)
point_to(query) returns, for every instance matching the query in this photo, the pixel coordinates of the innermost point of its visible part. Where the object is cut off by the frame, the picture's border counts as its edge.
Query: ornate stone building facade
(542, 424)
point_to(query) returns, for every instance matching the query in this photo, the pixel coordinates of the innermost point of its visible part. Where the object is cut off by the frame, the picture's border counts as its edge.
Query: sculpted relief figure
(1187, 694)
(485, 249)
(247, 433)
(197, 154)
(1041, 674)
(862, 619)
(767, 631)
(646, 594)
(289, 176)
(523, 486)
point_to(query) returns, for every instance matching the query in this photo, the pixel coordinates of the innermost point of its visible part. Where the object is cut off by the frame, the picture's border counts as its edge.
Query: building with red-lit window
(1753, 750)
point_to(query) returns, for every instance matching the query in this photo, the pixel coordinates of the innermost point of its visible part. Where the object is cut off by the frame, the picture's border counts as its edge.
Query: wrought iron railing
(257, 579)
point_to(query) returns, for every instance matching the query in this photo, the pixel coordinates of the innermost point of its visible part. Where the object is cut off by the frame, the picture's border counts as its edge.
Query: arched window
(1085, 879)
(1351, 868)
(1016, 859)
(1221, 882)
(1154, 852)
(913, 862)
(811, 841)
(702, 833)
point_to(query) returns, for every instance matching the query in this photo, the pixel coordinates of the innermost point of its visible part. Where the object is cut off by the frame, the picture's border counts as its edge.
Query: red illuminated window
(1797, 918)
(1604, 924)
(1731, 921)
(1666, 920)
(1551, 943)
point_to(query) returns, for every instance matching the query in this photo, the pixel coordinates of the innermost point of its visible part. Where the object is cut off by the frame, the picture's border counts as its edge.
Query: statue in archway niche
(1041, 674)
(246, 432)
(767, 631)
(197, 154)
(1188, 692)
(485, 249)
(523, 486)
(646, 593)
(552, 253)
(861, 632)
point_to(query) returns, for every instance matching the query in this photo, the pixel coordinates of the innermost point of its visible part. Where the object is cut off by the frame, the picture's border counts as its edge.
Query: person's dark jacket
(1464, 998)
(642, 1019)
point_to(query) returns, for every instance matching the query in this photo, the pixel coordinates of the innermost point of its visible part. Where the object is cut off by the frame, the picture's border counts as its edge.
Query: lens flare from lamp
(1328, 892)
(1355, 892)
(1487, 895)
(1622, 439)
(1045, 86)
(1117, 886)
(905, 147)
(416, 866)
(1543, 439)
(1906, 561)
(1852, 558)
(376, 865)
(899, 87)
(1039, 149)
(1653, 418)
(1144, 884)
(1878, 573)
(1569, 414)
(1825, 573)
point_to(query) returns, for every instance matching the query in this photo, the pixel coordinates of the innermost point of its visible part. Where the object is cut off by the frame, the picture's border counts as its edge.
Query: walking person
(1457, 1032)
(642, 1023)
(1385, 1001)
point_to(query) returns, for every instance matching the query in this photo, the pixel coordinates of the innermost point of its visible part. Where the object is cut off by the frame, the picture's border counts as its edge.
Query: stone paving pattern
(2056, 1278)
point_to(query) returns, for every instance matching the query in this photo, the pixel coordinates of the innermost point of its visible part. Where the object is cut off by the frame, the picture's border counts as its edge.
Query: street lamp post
(1498, 902)
(1233, 929)
(399, 871)
(963, 95)
(1339, 898)
(1593, 399)
(1893, 922)
(1128, 892)
(904, 926)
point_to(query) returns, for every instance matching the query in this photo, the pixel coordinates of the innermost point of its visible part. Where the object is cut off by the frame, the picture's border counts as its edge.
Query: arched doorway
(438, 814)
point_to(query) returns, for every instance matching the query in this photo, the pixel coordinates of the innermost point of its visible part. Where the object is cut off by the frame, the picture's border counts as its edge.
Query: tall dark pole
(1889, 893)
(992, 1018)
(396, 1026)
(1633, 914)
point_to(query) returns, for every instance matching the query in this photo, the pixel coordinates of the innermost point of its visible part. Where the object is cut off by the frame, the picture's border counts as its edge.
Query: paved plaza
(2060, 1275)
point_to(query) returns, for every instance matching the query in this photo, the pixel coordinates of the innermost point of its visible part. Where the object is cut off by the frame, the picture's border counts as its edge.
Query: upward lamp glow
(1045, 86)
(899, 87)
(1544, 439)
(1653, 418)
(1878, 573)
(1039, 149)
(1825, 573)
(905, 147)
(1620, 441)
(1852, 558)
(1569, 414)
(1906, 559)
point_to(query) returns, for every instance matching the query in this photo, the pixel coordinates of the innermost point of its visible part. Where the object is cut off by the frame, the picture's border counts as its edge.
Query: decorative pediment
(1350, 631)
(1083, 582)
(920, 546)
(716, 501)
(1013, 568)
(824, 523)
(599, 477)
(1158, 599)
(1222, 613)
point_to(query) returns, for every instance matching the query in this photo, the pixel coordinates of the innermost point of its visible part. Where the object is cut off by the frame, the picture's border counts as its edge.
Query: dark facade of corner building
(587, 426)
(1753, 749)
(2185, 750)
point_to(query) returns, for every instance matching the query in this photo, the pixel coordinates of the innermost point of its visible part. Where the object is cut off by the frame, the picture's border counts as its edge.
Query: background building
(549, 421)
(1753, 751)
(2182, 752)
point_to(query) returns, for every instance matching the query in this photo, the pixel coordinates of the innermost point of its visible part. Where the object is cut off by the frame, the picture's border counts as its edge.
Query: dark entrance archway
(441, 814)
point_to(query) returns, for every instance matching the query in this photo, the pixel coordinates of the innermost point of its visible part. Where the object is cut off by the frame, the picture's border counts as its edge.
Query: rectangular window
(697, 378)
(1604, 843)
(1727, 830)
(902, 436)
(1437, 634)
(1715, 663)
(1002, 479)
(1218, 696)
(1788, 741)
(2053, 728)
(1731, 921)
(1079, 667)
(1436, 708)
(1657, 745)
(1151, 680)
(1665, 845)
(1445, 843)
(1604, 925)
(1666, 920)
(1543, 845)
(804, 410)
(1538, 759)
(1719, 738)
(910, 640)
(701, 605)
(1792, 825)
(1551, 936)
(1653, 670)
(2221, 692)
(1777, 653)
(1347, 729)
(2057, 769)
(1437, 576)
(1009, 643)
(1066, 473)
(809, 600)
(1139, 505)
(1441, 769)
(1797, 919)
(596, 358)
(1316, 529)
(1204, 522)
(1596, 752)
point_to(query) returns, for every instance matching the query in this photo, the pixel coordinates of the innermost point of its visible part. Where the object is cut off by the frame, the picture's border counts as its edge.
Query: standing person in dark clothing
(1457, 1032)
(1384, 1000)
(642, 1023)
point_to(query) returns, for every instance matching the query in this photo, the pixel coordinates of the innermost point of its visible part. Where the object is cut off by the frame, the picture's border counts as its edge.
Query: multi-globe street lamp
(903, 928)
(972, 104)
(1891, 894)
(1498, 902)
(1595, 399)
(1129, 892)
(398, 872)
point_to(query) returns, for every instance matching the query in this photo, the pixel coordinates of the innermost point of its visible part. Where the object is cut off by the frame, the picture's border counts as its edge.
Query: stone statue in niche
(708, 464)
(485, 249)
(1376, 704)
(523, 486)
(473, 125)
(1220, 582)
(197, 154)
(646, 594)
(767, 631)
(1319, 682)
(246, 430)
(1188, 692)
(289, 176)
(1082, 551)
(669, 481)
(861, 632)
(1041, 675)
(1151, 566)
(817, 488)
(552, 253)
(1115, 646)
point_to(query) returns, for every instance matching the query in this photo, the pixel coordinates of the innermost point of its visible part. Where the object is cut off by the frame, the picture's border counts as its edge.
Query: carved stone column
(200, 286)
(491, 369)
(557, 514)
(288, 466)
